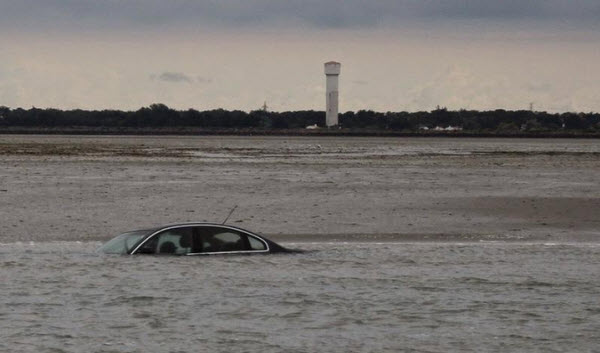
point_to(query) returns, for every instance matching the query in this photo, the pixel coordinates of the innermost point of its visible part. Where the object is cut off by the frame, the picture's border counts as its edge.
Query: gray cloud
(172, 77)
(115, 14)
(180, 77)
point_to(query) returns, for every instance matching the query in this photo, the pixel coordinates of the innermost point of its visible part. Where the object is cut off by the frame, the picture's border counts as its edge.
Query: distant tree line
(161, 116)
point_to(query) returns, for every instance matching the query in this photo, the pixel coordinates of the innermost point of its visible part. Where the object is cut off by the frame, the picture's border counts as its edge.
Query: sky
(396, 55)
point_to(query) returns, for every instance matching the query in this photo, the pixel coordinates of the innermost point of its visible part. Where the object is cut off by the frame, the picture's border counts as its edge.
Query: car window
(256, 244)
(123, 243)
(176, 241)
(209, 239)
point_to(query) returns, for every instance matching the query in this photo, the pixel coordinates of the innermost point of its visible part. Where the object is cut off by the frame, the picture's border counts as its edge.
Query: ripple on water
(500, 297)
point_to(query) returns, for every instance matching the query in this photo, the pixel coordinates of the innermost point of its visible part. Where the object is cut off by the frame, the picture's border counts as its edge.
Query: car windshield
(123, 243)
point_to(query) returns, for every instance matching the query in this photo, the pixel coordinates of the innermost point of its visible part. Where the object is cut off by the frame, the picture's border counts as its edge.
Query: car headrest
(185, 241)
(167, 248)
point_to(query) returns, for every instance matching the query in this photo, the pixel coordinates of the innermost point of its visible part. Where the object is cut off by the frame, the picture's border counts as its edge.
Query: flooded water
(88, 187)
(344, 297)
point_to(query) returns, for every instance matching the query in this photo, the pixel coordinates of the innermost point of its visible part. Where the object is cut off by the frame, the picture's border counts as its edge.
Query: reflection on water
(433, 297)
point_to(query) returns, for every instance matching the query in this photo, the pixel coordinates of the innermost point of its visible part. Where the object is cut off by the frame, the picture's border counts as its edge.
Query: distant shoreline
(158, 119)
(194, 131)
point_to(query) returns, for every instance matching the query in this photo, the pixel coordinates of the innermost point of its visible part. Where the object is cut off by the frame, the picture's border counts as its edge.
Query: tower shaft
(332, 104)
(332, 72)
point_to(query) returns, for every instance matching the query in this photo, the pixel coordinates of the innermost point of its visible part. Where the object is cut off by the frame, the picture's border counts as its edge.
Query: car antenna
(230, 213)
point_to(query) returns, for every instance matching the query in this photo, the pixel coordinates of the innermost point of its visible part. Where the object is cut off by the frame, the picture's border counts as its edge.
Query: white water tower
(332, 73)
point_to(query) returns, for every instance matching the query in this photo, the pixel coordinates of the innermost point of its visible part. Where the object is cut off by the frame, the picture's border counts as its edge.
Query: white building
(332, 73)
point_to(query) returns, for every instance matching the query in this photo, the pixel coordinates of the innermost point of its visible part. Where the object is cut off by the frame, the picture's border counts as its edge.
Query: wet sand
(302, 188)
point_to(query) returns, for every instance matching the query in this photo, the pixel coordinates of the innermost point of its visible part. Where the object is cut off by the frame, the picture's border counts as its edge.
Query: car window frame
(241, 231)
(194, 225)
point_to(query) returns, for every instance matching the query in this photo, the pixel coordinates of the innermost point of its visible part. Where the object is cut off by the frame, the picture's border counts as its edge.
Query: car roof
(171, 225)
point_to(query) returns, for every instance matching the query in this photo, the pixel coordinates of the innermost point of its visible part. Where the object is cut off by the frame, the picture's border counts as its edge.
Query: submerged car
(191, 239)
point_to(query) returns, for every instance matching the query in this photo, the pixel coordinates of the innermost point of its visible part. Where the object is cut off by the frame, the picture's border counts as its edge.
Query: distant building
(449, 128)
(332, 73)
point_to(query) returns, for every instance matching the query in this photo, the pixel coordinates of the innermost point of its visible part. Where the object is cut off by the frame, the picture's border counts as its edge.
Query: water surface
(360, 297)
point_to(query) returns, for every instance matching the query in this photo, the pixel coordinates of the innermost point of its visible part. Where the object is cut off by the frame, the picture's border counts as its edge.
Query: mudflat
(302, 188)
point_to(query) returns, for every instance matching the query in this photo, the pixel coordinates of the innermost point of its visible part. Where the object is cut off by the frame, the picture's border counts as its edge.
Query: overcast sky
(236, 54)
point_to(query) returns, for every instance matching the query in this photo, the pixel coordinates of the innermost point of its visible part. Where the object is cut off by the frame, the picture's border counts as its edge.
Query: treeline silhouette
(161, 116)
